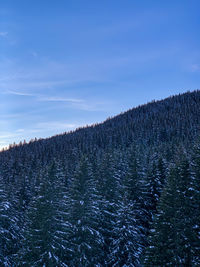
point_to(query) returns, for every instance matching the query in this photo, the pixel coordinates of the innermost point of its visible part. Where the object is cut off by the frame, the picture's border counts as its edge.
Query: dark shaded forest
(125, 192)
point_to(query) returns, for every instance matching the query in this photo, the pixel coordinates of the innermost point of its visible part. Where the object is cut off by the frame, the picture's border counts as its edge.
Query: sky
(70, 63)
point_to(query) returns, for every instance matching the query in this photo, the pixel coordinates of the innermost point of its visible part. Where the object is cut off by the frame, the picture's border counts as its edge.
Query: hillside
(111, 194)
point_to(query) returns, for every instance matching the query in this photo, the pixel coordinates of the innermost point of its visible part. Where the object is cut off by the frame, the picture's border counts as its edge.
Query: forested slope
(121, 193)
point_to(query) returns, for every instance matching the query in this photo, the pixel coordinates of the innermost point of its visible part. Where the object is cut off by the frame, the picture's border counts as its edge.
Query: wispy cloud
(17, 93)
(75, 103)
(3, 34)
(195, 67)
(51, 75)
(61, 99)
(20, 83)
(10, 116)
(44, 98)
(52, 125)
(92, 105)
(7, 135)
(20, 130)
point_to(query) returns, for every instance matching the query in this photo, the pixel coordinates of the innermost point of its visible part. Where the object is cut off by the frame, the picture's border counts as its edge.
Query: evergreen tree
(195, 188)
(172, 239)
(44, 238)
(85, 238)
(9, 228)
(108, 185)
(128, 232)
(156, 175)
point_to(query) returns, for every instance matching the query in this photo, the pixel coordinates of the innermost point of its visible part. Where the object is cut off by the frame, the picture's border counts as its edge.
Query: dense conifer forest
(125, 192)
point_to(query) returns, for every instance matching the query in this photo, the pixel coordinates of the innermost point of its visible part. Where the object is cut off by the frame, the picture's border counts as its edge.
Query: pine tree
(44, 238)
(84, 236)
(195, 188)
(9, 228)
(108, 185)
(126, 245)
(155, 180)
(172, 239)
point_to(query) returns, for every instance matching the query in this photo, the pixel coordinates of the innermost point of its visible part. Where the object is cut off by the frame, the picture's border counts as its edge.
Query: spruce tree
(85, 239)
(128, 235)
(173, 240)
(9, 227)
(108, 186)
(195, 188)
(155, 182)
(44, 238)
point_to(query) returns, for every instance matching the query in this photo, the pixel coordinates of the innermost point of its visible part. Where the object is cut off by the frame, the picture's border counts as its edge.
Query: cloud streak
(60, 99)
(52, 125)
(45, 98)
(195, 67)
(3, 34)
(75, 103)
(18, 93)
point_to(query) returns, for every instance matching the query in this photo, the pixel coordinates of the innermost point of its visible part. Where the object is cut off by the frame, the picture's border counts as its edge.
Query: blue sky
(64, 64)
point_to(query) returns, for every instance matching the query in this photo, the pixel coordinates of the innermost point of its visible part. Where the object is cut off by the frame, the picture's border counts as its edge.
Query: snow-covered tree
(9, 227)
(44, 231)
(155, 181)
(129, 229)
(173, 241)
(108, 185)
(85, 239)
